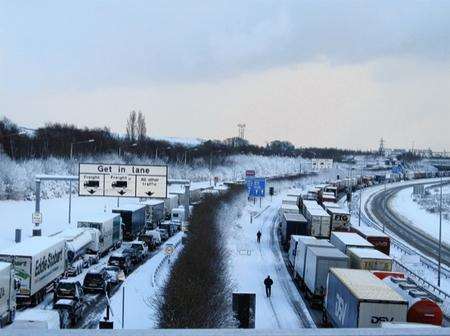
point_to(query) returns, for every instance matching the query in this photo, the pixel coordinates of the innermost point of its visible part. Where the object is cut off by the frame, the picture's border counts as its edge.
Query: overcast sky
(324, 73)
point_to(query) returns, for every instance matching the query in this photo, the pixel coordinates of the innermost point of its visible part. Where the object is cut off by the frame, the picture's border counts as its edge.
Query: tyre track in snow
(282, 275)
(298, 306)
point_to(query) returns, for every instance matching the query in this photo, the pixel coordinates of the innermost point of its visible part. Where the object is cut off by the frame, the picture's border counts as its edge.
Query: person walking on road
(258, 236)
(268, 282)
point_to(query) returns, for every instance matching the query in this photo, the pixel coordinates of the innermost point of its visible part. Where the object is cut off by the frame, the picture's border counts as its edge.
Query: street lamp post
(78, 143)
(440, 236)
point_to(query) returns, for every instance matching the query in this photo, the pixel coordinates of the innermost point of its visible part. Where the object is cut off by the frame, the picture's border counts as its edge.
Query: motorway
(381, 212)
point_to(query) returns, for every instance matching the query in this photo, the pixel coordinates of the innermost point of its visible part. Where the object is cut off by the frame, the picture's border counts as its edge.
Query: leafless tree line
(198, 292)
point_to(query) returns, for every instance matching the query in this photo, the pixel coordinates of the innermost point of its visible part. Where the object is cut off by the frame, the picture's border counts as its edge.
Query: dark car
(134, 254)
(68, 289)
(97, 281)
(115, 274)
(121, 260)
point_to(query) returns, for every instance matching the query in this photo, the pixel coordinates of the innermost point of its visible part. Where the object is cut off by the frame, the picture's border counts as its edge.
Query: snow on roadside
(404, 205)
(250, 263)
(141, 287)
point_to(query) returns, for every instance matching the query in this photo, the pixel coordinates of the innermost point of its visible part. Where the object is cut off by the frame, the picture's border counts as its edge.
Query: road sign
(256, 186)
(250, 173)
(36, 218)
(114, 180)
(168, 249)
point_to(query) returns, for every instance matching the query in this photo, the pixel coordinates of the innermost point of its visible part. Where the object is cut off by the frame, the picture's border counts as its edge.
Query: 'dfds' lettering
(379, 319)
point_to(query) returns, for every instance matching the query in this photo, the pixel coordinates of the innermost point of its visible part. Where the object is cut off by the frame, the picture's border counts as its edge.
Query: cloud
(316, 103)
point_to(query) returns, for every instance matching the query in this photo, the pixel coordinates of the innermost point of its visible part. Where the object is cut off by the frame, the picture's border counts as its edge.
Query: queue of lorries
(40, 265)
(346, 271)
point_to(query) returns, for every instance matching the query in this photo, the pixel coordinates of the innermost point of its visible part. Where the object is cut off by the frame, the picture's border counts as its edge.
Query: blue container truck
(358, 299)
(133, 219)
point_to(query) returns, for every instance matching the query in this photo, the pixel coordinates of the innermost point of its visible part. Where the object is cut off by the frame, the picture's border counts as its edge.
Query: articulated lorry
(7, 294)
(37, 262)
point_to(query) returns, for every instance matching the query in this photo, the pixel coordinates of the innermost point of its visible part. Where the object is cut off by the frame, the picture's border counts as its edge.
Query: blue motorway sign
(256, 186)
(397, 169)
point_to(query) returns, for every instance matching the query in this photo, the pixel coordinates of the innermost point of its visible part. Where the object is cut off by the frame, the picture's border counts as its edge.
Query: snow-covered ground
(405, 206)
(251, 262)
(141, 288)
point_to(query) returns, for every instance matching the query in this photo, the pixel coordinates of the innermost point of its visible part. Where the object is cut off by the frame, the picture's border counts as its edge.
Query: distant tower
(241, 131)
(381, 149)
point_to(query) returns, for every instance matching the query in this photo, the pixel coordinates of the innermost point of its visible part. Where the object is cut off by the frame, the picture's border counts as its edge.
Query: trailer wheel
(64, 319)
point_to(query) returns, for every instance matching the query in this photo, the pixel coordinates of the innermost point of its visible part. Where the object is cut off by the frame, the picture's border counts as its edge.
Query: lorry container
(78, 242)
(133, 219)
(318, 222)
(369, 259)
(330, 205)
(293, 249)
(422, 305)
(154, 212)
(326, 197)
(171, 202)
(339, 219)
(37, 263)
(35, 319)
(331, 189)
(319, 260)
(307, 203)
(7, 294)
(379, 240)
(292, 200)
(358, 299)
(110, 228)
(292, 224)
(288, 208)
(345, 240)
(304, 242)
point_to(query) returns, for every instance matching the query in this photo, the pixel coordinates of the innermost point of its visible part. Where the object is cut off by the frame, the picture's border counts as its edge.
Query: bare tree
(141, 128)
(132, 126)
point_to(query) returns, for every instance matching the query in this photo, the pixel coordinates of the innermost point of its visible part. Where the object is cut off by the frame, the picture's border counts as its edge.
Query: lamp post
(440, 236)
(78, 143)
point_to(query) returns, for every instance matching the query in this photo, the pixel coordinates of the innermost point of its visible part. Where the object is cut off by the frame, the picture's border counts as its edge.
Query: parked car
(141, 247)
(134, 254)
(97, 281)
(68, 289)
(164, 234)
(123, 261)
(115, 273)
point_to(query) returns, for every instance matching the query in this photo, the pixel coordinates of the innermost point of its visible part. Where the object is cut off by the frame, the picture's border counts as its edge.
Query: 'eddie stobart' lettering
(45, 262)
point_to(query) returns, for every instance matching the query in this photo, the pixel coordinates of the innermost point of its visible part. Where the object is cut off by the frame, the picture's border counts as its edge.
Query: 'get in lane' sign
(122, 180)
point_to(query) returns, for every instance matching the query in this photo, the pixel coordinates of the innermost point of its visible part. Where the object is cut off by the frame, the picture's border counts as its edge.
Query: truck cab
(178, 216)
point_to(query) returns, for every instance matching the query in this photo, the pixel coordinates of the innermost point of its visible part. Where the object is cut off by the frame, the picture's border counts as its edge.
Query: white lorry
(110, 227)
(7, 294)
(37, 262)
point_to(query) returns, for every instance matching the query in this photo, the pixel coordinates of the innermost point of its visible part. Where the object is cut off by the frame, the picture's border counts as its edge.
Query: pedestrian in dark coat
(258, 236)
(268, 282)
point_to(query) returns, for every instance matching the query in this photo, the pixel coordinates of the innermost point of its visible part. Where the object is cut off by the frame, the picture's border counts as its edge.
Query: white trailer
(292, 200)
(110, 227)
(288, 208)
(38, 262)
(318, 222)
(319, 260)
(78, 242)
(369, 259)
(7, 294)
(304, 242)
(340, 219)
(344, 240)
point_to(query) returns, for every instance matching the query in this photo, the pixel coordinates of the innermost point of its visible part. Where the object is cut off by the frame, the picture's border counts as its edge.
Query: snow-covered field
(405, 206)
